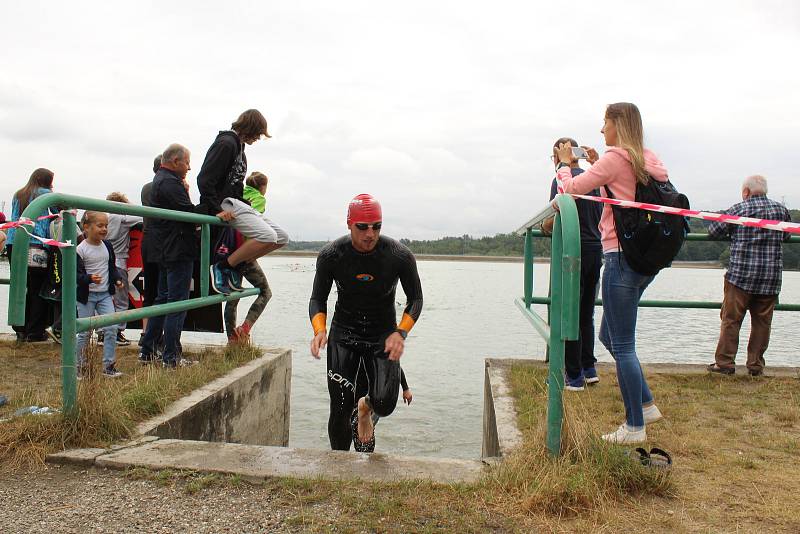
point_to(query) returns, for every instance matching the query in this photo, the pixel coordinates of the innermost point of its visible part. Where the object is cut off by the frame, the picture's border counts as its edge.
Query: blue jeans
(174, 282)
(622, 288)
(102, 303)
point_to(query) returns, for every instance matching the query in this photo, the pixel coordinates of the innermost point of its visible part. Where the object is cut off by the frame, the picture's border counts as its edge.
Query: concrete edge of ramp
(258, 462)
(250, 404)
(500, 432)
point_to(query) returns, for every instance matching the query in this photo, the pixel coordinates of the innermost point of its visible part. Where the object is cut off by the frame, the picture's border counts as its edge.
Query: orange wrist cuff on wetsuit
(406, 323)
(318, 322)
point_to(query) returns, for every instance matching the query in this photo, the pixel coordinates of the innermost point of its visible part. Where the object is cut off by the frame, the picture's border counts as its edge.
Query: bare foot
(365, 428)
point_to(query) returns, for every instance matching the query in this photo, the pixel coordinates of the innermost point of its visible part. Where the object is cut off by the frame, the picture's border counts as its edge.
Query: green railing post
(19, 278)
(555, 369)
(565, 267)
(528, 280)
(69, 275)
(570, 267)
(205, 258)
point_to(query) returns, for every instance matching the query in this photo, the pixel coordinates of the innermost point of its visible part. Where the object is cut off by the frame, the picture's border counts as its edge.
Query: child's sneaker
(241, 334)
(573, 384)
(55, 335)
(590, 373)
(235, 279)
(111, 372)
(219, 279)
(122, 341)
(146, 359)
(100, 336)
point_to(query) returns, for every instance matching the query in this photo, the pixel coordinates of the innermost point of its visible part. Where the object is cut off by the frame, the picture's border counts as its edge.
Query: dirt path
(70, 500)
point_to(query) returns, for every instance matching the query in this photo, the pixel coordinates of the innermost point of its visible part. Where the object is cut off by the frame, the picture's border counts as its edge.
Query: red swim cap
(364, 209)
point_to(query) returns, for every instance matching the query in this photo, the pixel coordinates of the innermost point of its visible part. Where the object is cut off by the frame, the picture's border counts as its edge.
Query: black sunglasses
(364, 226)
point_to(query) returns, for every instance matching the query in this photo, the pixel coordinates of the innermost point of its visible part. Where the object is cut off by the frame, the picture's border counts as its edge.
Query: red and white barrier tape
(23, 223)
(767, 224)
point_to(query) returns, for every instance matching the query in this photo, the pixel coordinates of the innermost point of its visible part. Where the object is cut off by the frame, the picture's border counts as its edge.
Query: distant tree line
(512, 245)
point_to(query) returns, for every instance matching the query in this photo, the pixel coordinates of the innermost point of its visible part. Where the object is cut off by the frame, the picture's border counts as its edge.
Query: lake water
(469, 315)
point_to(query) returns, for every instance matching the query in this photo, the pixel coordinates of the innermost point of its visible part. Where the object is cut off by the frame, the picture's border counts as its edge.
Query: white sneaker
(652, 414)
(623, 436)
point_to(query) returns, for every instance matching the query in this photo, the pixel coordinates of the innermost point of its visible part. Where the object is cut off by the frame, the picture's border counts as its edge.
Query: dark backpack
(651, 240)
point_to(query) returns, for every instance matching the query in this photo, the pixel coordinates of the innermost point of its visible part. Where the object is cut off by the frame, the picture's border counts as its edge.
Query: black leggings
(358, 368)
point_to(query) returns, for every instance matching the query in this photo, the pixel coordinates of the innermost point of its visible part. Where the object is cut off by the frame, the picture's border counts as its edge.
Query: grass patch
(729, 436)
(589, 475)
(109, 408)
(191, 482)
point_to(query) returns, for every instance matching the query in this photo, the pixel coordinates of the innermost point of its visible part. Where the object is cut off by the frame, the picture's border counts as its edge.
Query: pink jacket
(613, 169)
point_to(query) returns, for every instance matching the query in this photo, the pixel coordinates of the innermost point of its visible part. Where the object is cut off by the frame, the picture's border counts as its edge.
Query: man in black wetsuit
(365, 342)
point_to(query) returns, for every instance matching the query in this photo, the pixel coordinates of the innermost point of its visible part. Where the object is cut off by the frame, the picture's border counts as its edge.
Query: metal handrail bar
(689, 304)
(71, 325)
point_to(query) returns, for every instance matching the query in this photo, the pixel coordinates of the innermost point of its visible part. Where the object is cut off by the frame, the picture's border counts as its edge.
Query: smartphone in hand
(579, 153)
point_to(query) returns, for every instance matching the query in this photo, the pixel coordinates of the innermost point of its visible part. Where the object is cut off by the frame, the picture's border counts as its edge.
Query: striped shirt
(756, 255)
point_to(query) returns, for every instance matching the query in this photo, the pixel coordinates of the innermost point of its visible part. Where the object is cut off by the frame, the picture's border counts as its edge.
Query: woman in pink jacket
(619, 169)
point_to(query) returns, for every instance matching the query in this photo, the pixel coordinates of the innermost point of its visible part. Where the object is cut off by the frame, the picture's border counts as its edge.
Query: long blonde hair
(630, 135)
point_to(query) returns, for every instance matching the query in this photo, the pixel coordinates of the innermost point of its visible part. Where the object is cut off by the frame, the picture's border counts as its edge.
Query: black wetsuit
(364, 318)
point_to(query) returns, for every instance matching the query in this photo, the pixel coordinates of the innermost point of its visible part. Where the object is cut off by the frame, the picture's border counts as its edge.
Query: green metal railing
(565, 268)
(71, 325)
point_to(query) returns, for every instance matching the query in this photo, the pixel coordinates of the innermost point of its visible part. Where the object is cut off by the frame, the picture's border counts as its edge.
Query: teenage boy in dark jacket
(221, 186)
(176, 251)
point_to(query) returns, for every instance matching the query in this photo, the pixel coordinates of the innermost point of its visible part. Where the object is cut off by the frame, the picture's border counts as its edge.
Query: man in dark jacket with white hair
(176, 251)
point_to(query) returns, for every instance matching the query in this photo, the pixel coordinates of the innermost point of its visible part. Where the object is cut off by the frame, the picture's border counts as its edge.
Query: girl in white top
(97, 282)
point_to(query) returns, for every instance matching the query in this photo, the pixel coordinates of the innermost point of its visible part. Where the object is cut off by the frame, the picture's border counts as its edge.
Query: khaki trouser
(736, 302)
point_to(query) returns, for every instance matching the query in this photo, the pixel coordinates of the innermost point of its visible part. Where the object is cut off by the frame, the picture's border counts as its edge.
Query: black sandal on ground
(660, 458)
(639, 455)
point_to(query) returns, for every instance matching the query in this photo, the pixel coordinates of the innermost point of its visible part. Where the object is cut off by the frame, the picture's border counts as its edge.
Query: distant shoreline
(496, 259)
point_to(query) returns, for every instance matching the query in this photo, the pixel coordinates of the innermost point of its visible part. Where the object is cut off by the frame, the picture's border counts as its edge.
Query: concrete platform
(254, 462)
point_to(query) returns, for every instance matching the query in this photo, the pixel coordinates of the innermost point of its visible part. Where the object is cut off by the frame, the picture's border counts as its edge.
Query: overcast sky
(445, 111)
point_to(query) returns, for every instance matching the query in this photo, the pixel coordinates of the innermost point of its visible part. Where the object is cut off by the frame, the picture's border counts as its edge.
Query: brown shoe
(714, 368)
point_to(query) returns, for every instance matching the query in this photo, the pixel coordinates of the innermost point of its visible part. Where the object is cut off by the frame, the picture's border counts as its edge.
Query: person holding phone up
(619, 169)
(579, 360)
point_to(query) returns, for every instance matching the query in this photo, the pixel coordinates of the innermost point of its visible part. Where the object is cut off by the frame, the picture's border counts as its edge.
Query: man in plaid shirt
(753, 280)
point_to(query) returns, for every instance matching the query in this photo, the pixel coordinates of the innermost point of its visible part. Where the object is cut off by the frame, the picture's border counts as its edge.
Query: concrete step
(257, 462)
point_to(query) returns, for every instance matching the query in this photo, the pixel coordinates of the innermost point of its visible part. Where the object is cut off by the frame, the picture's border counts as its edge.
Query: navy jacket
(171, 241)
(588, 215)
(84, 279)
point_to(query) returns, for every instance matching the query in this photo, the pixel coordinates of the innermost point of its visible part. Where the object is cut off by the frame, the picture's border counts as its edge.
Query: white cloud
(381, 162)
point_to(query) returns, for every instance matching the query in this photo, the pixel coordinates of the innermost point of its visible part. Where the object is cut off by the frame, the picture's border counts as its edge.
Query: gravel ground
(72, 500)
